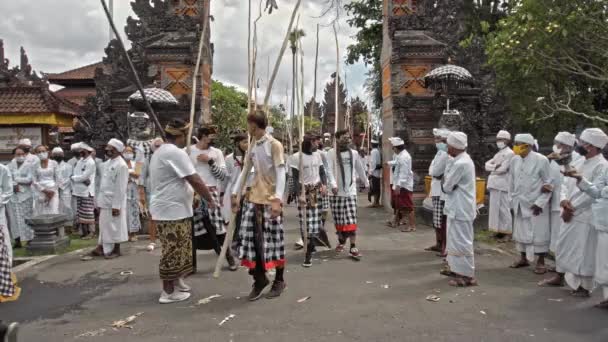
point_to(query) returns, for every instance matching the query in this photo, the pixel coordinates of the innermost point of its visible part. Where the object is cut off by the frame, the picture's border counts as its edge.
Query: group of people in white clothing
(554, 203)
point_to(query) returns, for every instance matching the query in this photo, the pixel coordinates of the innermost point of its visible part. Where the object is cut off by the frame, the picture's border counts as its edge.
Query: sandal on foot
(580, 293)
(340, 248)
(602, 305)
(433, 249)
(550, 283)
(520, 264)
(447, 272)
(540, 270)
(462, 282)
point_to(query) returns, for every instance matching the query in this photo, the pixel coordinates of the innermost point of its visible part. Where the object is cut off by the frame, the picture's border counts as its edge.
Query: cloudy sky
(63, 34)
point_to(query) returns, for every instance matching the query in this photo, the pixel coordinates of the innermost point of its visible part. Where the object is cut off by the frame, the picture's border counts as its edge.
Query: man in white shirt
(403, 185)
(461, 210)
(500, 221)
(530, 191)
(375, 174)
(209, 224)
(64, 183)
(308, 188)
(30, 158)
(560, 158)
(599, 191)
(112, 202)
(577, 242)
(83, 188)
(437, 171)
(345, 166)
(172, 179)
(261, 244)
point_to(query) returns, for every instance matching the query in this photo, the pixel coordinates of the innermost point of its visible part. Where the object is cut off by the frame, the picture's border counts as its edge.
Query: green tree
(550, 61)
(228, 110)
(366, 17)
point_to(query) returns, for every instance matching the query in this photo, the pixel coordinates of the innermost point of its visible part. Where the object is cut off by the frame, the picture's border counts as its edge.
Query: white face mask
(501, 145)
(43, 155)
(20, 159)
(128, 156)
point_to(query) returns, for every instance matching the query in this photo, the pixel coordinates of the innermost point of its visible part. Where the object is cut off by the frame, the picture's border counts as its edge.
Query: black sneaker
(277, 288)
(307, 262)
(257, 289)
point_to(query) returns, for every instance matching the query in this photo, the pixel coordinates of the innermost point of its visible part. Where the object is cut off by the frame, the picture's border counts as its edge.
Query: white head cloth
(117, 144)
(57, 150)
(525, 138)
(458, 140)
(565, 138)
(25, 142)
(396, 141)
(595, 137)
(502, 134)
(84, 146)
(441, 132)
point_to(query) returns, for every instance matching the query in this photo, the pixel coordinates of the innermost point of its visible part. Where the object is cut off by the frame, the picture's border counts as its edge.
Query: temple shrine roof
(81, 75)
(35, 105)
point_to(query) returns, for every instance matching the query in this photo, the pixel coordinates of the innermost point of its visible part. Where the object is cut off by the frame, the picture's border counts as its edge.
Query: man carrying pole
(261, 237)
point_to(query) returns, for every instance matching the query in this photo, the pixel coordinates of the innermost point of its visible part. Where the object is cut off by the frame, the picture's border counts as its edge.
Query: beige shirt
(266, 155)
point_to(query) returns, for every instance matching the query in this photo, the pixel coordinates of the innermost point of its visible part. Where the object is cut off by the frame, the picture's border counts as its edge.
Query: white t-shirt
(203, 169)
(311, 164)
(171, 195)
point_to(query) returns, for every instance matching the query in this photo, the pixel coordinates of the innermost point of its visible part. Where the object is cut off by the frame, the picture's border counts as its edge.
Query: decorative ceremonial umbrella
(156, 96)
(447, 77)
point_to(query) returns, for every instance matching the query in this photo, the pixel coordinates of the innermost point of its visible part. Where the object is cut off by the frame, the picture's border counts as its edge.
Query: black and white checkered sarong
(313, 212)
(325, 203)
(273, 239)
(438, 205)
(7, 288)
(215, 215)
(344, 211)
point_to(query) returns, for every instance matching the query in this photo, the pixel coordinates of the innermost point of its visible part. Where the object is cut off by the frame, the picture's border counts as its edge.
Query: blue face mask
(442, 147)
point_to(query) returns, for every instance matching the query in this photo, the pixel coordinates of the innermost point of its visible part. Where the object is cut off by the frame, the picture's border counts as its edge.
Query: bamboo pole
(247, 165)
(249, 59)
(201, 45)
(281, 53)
(314, 92)
(138, 83)
(301, 156)
(253, 83)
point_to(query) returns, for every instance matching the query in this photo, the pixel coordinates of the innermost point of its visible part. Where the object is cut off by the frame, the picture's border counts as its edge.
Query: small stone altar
(49, 234)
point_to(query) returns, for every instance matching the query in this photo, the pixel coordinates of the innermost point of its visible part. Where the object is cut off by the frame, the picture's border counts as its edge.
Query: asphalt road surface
(380, 298)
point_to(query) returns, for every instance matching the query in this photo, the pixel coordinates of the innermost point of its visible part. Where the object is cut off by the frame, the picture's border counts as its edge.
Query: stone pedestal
(49, 234)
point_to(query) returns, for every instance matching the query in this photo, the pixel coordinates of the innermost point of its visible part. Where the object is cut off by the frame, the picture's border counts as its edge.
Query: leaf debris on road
(208, 299)
(124, 323)
(229, 317)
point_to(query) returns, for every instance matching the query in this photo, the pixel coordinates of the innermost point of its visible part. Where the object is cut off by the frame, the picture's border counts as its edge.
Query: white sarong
(461, 256)
(500, 219)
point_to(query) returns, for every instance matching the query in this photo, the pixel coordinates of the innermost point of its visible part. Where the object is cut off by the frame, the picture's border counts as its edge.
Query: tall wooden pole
(247, 165)
(314, 87)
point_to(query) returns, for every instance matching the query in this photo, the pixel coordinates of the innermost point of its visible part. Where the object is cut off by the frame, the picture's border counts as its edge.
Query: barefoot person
(461, 210)
(403, 185)
(172, 178)
(530, 190)
(343, 169)
(437, 171)
(261, 239)
(577, 243)
(500, 221)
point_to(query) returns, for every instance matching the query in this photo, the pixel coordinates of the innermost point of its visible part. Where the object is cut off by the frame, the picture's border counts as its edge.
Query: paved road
(65, 297)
